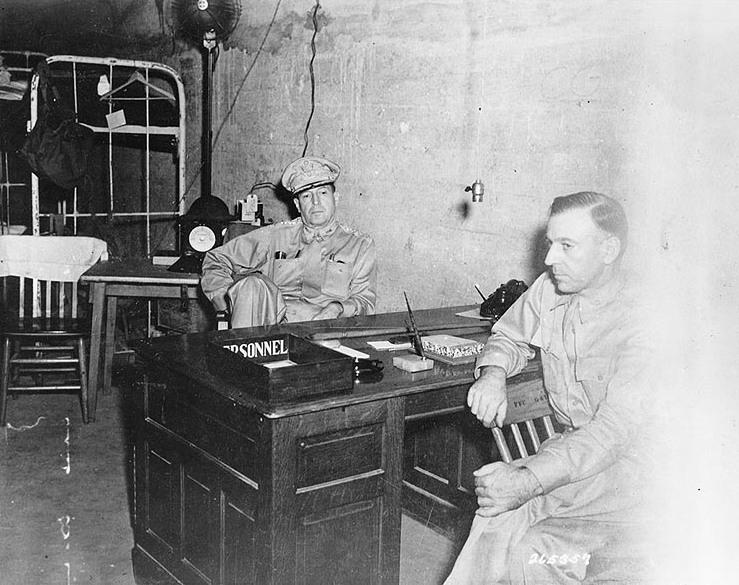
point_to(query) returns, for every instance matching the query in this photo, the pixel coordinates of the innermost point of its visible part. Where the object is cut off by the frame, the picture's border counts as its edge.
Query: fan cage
(194, 18)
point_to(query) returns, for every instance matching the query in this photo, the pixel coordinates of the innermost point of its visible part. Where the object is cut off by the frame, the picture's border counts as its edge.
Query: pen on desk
(477, 288)
(416, 334)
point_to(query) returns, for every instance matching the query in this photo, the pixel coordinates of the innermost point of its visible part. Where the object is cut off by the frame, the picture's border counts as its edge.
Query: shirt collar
(318, 234)
(589, 305)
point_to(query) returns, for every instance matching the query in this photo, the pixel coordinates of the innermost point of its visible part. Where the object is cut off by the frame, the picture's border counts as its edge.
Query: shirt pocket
(337, 278)
(594, 374)
(287, 273)
(555, 377)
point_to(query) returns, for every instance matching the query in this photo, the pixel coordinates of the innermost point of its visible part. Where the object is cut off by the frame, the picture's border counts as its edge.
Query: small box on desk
(281, 367)
(164, 257)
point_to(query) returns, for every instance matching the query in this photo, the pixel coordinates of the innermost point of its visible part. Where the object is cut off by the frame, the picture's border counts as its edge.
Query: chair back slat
(533, 435)
(46, 290)
(35, 298)
(500, 443)
(549, 426)
(22, 298)
(517, 440)
(74, 292)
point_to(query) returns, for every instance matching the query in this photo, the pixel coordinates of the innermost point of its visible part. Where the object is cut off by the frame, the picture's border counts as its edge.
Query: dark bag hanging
(57, 148)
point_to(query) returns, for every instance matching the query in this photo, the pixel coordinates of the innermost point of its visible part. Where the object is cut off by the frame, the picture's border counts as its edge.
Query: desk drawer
(436, 402)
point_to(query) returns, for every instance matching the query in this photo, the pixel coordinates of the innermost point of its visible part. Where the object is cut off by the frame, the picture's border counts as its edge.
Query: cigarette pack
(450, 349)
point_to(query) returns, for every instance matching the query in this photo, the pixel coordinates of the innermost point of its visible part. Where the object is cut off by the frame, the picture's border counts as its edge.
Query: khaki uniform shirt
(596, 363)
(308, 265)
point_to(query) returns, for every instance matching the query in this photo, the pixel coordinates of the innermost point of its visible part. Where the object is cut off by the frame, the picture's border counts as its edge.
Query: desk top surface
(186, 355)
(136, 271)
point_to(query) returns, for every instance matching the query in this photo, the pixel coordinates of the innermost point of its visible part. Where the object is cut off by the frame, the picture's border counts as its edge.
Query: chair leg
(5, 382)
(82, 362)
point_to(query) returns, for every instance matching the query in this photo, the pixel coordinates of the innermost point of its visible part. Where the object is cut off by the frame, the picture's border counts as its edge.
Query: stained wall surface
(416, 100)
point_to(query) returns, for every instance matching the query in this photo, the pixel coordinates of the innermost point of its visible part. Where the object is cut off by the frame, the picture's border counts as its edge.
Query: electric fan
(208, 22)
(202, 228)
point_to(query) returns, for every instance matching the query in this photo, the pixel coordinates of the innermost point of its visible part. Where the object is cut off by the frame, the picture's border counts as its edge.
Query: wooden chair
(528, 422)
(42, 329)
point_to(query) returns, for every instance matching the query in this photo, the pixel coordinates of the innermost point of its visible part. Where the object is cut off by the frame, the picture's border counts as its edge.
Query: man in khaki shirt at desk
(310, 268)
(571, 512)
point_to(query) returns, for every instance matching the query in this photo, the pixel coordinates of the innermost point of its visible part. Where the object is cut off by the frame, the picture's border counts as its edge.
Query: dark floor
(64, 513)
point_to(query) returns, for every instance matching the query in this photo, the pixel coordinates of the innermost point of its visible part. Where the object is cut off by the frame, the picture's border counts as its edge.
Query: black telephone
(500, 301)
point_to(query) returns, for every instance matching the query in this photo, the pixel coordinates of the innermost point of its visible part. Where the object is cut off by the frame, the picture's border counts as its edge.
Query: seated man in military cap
(310, 268)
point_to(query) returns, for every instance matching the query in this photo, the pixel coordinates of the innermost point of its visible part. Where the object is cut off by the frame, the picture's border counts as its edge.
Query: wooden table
(131, 278)
(232, 489)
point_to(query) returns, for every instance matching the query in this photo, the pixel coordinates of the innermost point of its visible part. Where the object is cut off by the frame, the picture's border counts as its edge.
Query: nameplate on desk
(259, 349)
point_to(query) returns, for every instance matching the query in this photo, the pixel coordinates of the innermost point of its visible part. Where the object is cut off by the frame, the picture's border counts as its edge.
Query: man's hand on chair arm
(488, 397)
(501, 487)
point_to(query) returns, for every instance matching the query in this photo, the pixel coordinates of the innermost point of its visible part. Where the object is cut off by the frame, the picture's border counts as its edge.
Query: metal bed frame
(158, 82)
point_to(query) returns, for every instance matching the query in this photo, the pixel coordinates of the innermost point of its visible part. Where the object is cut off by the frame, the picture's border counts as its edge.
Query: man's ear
(611, 249)
(295, 203)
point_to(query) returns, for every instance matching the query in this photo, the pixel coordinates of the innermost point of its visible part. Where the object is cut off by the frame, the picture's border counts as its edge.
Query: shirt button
(600, 377)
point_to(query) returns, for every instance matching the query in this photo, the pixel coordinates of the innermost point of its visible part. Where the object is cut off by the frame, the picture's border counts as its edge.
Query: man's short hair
(607, 213)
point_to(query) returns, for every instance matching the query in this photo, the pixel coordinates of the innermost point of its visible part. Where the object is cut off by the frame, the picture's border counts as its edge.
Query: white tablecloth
(61, 258)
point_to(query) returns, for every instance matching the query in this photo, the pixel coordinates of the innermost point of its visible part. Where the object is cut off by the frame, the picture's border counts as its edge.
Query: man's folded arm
(225, 265)
(509, 346)
(362, 295)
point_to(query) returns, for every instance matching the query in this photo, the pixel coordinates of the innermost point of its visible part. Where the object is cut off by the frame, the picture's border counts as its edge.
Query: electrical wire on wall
(481, 97)
(312, 77)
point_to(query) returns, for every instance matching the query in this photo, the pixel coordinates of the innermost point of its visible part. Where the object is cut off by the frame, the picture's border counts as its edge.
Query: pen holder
(412, 363)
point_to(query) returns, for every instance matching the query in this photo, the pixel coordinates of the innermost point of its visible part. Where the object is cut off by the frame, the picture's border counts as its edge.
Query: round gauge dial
(201, 238)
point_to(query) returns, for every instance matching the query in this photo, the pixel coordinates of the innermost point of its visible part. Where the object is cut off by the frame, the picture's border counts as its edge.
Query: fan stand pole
(207, 142)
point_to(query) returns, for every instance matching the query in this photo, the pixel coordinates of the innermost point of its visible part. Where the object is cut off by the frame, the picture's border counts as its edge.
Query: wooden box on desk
(280, 367)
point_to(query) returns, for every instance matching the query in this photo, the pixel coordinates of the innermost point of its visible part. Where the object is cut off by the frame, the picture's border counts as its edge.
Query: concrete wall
(417, 99)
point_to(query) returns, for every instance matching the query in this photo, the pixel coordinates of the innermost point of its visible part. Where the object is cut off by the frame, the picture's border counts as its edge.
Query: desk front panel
(225, 495)
(197, 486)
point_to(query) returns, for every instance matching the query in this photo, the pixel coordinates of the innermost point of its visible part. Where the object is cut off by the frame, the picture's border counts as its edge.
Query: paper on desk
(388, 346)
(279, 364)
(351, 352)
(473, 314)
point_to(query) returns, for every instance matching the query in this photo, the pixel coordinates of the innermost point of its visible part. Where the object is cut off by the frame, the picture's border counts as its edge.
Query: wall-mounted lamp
(478, 190)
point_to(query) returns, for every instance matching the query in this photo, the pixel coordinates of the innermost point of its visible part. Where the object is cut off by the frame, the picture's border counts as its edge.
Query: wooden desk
(132, 278)
(231, 489)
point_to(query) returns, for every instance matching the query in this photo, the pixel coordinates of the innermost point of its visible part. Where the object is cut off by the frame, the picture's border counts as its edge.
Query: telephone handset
(500, 301)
